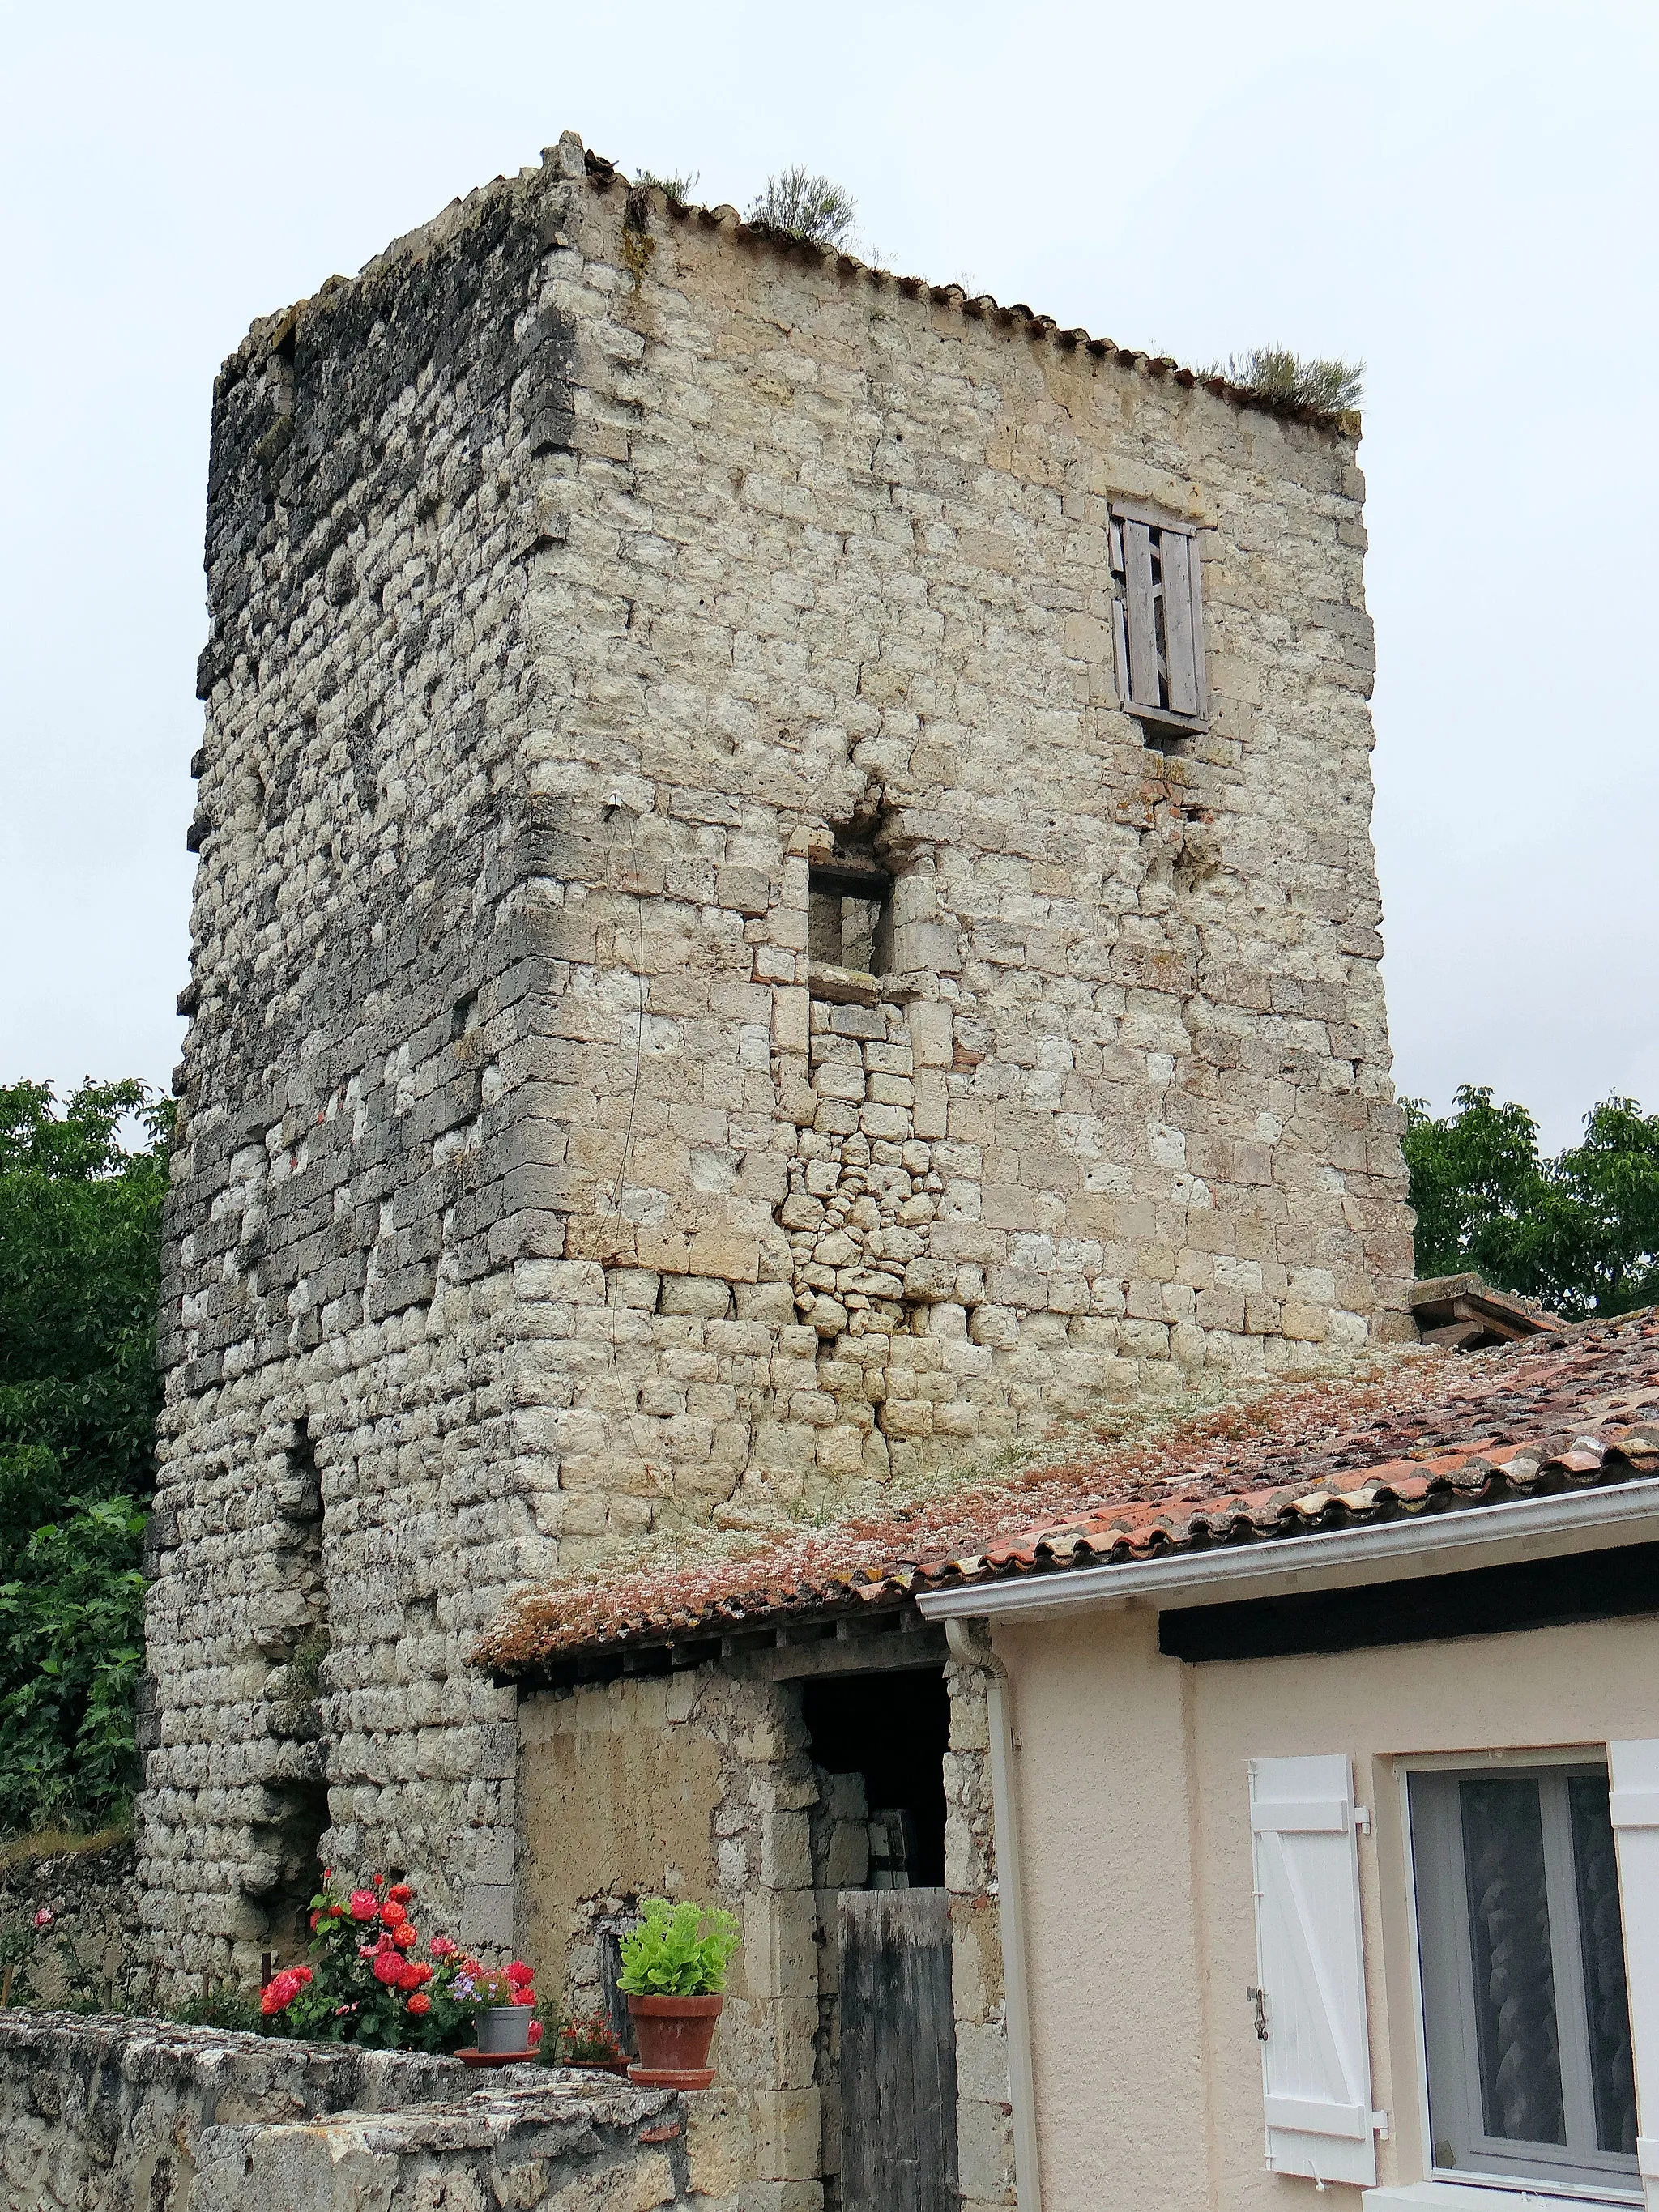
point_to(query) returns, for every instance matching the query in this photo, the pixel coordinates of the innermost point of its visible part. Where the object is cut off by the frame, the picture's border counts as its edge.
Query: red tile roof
(1571, 1411)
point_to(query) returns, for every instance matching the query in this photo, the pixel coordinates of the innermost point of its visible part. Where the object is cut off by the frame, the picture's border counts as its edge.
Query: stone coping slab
(104, 2113)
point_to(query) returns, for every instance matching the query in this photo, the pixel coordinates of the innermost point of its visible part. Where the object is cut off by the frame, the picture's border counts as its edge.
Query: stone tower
(785, 892)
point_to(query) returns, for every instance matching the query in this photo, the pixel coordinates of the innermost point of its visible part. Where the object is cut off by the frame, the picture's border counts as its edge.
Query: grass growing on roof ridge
(1157, 1439)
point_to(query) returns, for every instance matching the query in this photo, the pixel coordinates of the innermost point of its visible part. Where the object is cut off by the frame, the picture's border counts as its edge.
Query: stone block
(486, 1918)
(747, 890)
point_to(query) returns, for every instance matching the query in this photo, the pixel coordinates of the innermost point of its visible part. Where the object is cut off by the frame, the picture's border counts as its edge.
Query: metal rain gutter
(1397, 1551)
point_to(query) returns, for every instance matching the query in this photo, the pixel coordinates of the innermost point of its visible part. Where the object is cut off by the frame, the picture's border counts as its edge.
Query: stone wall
(104, 2115)
(702, 1783)
(583, 574)
(93, 1948)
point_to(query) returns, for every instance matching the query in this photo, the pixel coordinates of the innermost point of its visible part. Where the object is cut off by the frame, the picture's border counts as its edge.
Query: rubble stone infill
(102, 2114)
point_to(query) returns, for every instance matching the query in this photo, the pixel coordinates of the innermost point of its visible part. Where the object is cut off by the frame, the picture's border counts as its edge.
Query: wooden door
(898, 2052)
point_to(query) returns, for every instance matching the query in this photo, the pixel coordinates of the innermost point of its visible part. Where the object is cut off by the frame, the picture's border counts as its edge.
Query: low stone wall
(111, 2115)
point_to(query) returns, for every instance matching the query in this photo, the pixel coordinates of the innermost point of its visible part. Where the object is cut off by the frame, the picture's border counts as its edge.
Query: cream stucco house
(1295, 1803)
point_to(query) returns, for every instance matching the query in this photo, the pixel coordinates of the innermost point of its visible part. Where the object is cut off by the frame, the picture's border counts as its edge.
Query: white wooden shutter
(1633, 1772)
(1316, 2061)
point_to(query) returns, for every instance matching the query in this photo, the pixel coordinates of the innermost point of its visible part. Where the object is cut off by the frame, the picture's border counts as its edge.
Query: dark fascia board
(1528, 1593)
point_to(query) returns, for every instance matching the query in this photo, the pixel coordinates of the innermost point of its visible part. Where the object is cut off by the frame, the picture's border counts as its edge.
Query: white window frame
(1449, 2188)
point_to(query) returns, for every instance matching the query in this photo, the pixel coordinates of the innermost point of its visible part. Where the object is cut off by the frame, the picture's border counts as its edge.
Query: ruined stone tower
(785, 893)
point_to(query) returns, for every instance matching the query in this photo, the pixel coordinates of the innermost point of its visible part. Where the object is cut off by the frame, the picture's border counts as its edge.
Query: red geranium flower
(386, 1966)
(401, 1891)
(404, 1935)
(520, 1974)
(393, 1913)
(535, 2033)
(420, 2002)
(364, 1905)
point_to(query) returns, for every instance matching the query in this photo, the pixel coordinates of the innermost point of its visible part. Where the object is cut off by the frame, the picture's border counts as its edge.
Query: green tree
(1601, 1242)
(80, 1233)
(1580, 1232)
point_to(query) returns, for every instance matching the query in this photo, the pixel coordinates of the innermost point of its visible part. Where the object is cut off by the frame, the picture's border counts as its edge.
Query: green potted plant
(588, 2042)
(673, 1975)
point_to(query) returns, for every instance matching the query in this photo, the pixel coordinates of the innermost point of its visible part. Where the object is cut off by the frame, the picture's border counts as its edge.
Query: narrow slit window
(1158, 619)
(1525, 2011)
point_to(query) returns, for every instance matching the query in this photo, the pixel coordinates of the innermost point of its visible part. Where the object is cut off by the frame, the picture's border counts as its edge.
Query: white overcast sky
(1462, 194)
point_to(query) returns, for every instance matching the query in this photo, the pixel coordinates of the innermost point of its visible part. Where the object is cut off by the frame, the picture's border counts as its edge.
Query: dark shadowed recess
(894, 1729)
(1437, 1608)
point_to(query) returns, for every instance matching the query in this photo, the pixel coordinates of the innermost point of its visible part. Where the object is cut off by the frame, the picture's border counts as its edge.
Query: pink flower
(443, 1947)
(363, 1905)
(386, 1966)
(535, 2033)
(46, 1918)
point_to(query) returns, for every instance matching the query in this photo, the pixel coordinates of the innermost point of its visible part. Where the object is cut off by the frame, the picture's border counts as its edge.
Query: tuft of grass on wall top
(811, 208)
(1327, 386)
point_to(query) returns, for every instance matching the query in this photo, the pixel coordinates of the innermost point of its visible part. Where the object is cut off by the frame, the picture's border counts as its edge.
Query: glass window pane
(1514, 1971)
(1596, 1873)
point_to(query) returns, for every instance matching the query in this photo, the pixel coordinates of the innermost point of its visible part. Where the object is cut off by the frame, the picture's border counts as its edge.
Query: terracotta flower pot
(503, 2027)
(674, 2034)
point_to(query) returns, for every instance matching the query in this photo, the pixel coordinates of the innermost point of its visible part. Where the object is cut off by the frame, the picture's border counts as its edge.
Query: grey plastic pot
(503, 2027)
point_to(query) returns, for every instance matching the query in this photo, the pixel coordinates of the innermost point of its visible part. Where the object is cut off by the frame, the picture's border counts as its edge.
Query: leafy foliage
(679, 187)
(1328, 387)
(586, 2039)
(365, 1985)
(677, 1950)
(224, 2006)
(797, 205)
(1580, 1232)
(80, 1229)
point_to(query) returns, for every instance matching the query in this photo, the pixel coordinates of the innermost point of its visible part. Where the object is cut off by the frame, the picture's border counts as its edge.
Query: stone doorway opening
(890, 1733)
(885, 2038)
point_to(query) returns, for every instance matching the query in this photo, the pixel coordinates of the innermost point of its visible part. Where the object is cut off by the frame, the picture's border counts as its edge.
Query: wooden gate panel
(898, 2052)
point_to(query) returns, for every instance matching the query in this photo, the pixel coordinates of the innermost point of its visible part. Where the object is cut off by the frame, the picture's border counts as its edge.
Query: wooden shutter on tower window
(1159, 617)
(1316, 2059)
(1633, 1773)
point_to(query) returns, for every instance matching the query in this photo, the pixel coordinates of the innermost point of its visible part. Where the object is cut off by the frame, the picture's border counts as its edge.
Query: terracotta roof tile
(1571, 1411)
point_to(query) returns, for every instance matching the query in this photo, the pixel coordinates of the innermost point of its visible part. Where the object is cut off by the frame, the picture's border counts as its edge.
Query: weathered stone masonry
(584, 575)
(703, 1783)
